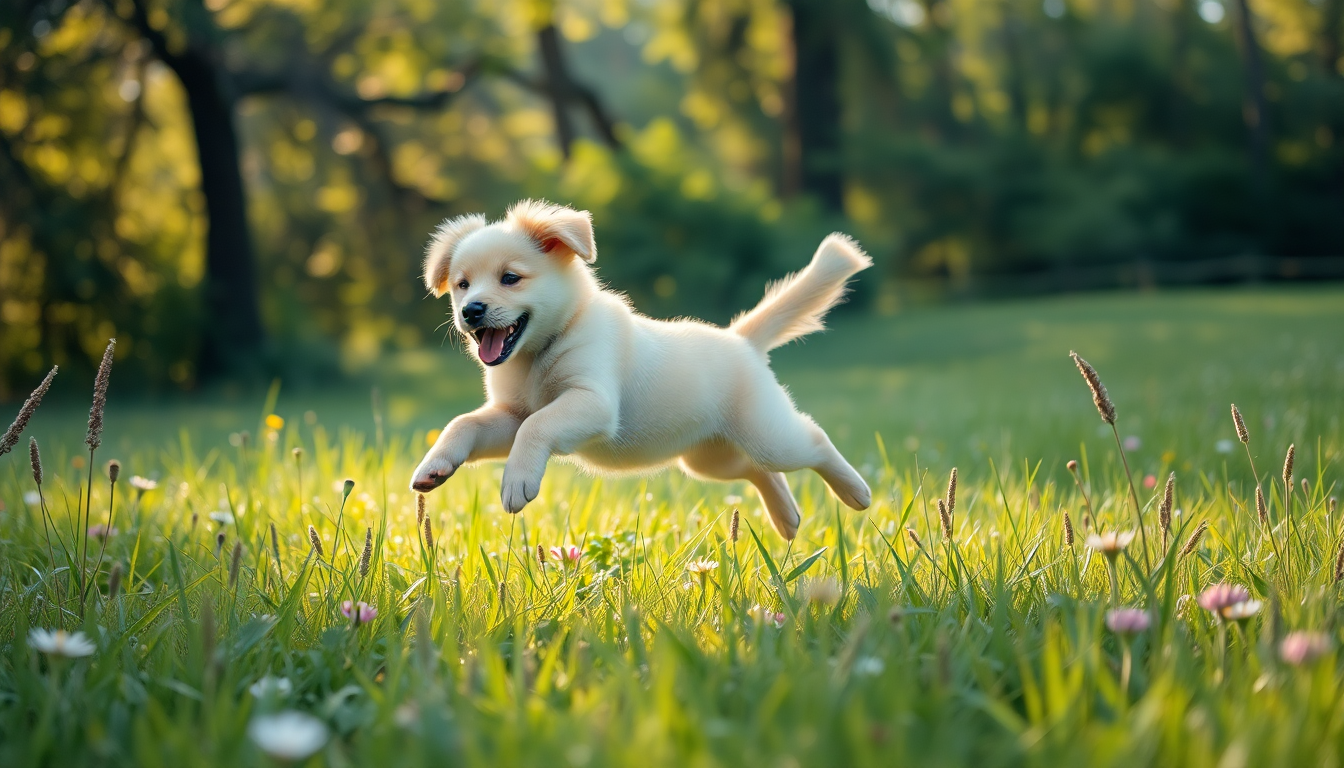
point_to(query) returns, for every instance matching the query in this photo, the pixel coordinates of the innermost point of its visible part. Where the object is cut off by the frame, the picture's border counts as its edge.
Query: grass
(986, 649)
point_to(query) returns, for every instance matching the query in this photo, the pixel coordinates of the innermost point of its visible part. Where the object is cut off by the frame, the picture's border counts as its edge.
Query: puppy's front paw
(515, 493)
(431, 474)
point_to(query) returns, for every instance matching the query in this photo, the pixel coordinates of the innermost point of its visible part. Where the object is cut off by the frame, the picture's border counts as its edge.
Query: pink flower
(567, 555)
(1149, 482)
(1220, 598)
(100, 531)
(362, 614)
(1304, 647)
(762, 615)
(1128, 621)
(1132, 443)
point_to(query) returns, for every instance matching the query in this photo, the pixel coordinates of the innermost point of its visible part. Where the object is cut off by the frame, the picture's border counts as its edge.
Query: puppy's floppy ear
(557, 229)
(442, 243)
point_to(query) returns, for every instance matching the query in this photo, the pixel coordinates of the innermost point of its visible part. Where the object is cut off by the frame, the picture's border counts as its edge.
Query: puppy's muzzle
(474, 313)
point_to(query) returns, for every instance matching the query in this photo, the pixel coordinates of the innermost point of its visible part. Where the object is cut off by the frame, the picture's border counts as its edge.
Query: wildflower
(223, 517)
(702, 567)
(763, 615)
(143, 484)
(360, 613)
(1304, 647)
(61, 643)
(1243, 610)
(1220, 598)
(824, 591)
(869, 666)
(275, 422)
(101, 531)
(1110, 543)
(277, 687)
(1128, 621)
(567, 555)
(289, 736)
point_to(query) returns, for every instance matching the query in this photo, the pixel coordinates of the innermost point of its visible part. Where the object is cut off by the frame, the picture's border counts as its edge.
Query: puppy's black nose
(473, 313)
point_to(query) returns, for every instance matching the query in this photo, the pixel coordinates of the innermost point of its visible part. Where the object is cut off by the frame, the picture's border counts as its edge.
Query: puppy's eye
(509, 278)
(464, 285)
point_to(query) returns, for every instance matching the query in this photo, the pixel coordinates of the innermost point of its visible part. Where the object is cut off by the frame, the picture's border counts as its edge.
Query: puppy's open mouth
(494, 345)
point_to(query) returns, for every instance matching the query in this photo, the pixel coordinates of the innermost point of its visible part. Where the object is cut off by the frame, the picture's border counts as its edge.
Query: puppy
(573, 370)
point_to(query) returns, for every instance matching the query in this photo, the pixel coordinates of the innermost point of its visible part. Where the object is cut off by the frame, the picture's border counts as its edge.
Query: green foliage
(988, 649)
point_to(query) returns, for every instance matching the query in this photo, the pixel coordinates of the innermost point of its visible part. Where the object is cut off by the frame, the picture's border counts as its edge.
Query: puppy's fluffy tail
(794, 307)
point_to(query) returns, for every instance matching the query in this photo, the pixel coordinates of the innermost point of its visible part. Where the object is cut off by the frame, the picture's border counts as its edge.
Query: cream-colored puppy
(571, 369)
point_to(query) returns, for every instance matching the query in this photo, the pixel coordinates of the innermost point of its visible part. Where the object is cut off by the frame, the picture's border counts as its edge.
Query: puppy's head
(513, 283)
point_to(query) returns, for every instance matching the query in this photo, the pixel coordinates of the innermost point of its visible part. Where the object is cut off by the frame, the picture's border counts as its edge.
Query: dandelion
(1193, 541)
(702, 567)
(100, 382)
(101, 531)
(11, 436)
(315, 540)
(367, 555)
(762, 615)
(1303, 647)
(1110, 543)
(869, 666)
(567, 554)
(288, 736)
(1128, 621)
(1219, 598)
(1100, 398)
(275, 422)
(824, 591)
(360, 613)
(1240, 424)
(61, 643)
(271, 687)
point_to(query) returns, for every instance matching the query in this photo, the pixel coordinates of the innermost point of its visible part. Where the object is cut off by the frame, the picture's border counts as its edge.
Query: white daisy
(290, 736)
(61, 643)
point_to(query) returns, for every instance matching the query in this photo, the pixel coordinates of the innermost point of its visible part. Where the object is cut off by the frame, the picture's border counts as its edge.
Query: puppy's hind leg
(723, 461)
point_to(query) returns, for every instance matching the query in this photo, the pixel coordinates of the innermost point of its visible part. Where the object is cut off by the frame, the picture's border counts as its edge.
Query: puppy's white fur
(592, 379)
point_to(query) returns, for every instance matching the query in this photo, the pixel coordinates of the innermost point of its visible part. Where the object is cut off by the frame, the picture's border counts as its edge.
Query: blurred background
(240, 190)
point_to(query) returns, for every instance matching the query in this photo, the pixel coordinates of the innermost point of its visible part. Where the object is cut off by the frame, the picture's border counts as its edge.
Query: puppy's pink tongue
(492, 344)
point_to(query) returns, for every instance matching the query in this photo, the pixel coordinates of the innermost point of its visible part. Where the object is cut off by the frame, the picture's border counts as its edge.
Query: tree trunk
(816, 80)
(1256, 112)
(557, 85)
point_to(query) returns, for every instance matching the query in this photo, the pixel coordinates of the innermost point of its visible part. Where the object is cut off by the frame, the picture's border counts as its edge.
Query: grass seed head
(11, 436)
(1332, 505)
(235, 560)
(1168, 500)
(298, 453)
(315, 540)
(347, 488)
(429, 534)
(275, 541)
(95, 436)
(952, 492)
(114, 581)
(219, 543)
(419, 508)
(367, 555)
(1240, 424)
(1100, 398)
(914, 537)
(1261, 509)
(113, 470)
(35, 458)
(945, 517)
(1306, 487)
(1068, 529)
(1193, 541)
(1288, 467)
(1339, 563)
(541, 555)
(733, 529)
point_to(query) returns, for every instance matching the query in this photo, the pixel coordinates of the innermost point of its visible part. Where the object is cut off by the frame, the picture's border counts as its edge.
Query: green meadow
(629, 621)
